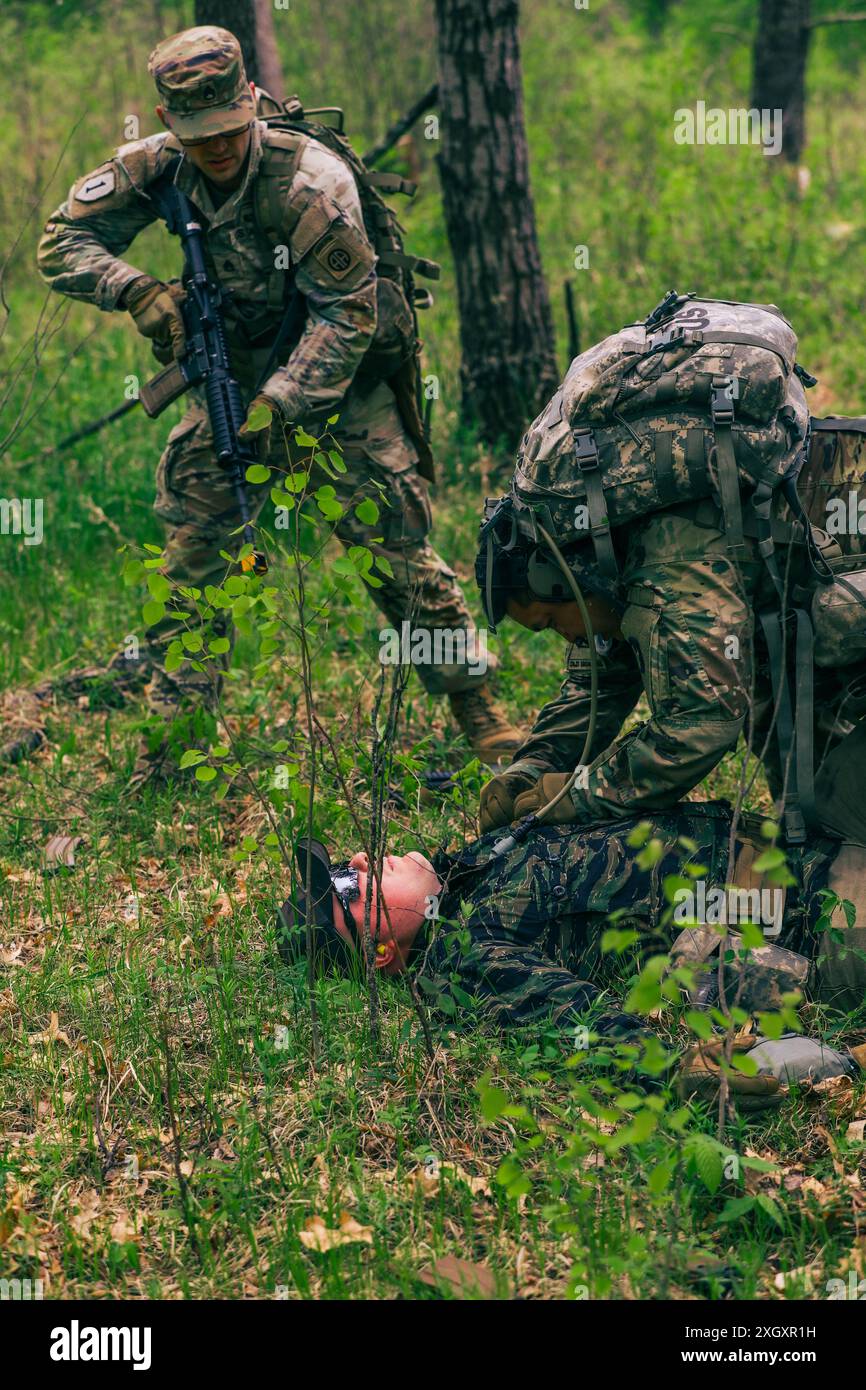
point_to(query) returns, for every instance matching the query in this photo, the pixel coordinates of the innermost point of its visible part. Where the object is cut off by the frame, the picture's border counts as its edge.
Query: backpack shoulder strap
(281, 155)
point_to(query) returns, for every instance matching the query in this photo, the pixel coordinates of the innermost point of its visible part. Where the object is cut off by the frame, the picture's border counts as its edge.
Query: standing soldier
(250, 184)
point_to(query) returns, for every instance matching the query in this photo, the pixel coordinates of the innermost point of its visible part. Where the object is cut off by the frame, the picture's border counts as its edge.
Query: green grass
(155, 952)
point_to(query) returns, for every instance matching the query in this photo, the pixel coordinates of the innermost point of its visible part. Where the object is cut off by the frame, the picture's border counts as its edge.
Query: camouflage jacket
(692, 646)
(82, 247)
(518, 936)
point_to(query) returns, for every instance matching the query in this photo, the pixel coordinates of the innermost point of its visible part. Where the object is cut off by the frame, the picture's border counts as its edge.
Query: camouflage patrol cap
(199, 74)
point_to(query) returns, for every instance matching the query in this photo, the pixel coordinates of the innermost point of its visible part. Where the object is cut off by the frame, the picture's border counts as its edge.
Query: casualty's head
(334, 909)
(205, 99)
(522, 580)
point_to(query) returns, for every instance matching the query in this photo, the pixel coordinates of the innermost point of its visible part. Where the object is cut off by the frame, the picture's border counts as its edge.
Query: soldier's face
(222, 158)
(565, 618)
(409, 885)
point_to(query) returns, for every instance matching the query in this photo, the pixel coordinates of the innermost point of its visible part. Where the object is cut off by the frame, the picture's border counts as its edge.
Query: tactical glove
(700, 1074)
(265, 434)
(497, 797)
(155, 308)
(545, 790)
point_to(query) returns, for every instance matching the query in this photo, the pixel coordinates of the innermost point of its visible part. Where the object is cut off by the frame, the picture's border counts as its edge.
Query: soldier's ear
(385, 953)
(161, 114)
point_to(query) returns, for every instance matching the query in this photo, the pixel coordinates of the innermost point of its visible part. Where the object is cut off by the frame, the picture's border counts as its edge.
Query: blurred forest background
(600, 86)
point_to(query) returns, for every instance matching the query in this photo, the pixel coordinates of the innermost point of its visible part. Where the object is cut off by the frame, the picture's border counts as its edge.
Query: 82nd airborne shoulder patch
(337, 256)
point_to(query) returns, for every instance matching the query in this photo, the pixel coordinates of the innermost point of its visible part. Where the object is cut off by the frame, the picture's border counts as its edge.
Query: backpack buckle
(722, 400)
(585, 451)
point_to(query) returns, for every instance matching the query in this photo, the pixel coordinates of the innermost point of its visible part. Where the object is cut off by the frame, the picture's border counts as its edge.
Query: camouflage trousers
(196, 501)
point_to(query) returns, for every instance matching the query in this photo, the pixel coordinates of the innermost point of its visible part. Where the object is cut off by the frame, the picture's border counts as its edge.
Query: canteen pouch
(838, 613)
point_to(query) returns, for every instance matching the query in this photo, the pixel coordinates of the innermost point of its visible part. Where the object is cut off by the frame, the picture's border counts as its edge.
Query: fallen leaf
(321, 1238)
(124, 1229)
(466, 1279)
(856, 1132)
(428, 1179)
(86, 1213)
(59, 853)
(53, 1033)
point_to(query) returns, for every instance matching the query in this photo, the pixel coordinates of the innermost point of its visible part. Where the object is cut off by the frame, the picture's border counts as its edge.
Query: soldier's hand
(155, 309)
(259, 427)
(700, 1074)
(497, 797)
(545, 790)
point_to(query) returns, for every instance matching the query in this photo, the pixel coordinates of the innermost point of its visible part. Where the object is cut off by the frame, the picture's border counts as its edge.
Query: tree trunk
(239, 17)
(779, 78)
(508, 367)
(270, 69)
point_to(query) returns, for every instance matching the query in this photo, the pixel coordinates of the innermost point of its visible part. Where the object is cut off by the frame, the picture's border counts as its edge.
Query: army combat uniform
(332, 266)
(519, 933)
(691, 642)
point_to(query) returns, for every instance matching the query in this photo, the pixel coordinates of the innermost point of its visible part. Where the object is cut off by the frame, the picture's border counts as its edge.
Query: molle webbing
(722, 411)
(587, 463)
(281, 153)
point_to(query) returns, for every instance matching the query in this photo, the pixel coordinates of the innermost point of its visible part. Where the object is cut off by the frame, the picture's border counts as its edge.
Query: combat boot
(485, 725)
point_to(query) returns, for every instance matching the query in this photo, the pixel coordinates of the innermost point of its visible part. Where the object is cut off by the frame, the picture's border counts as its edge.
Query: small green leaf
(192, 757)
(257, 473)
(158, 587)
(259, 418)
(383, 564)
(152, 613)
(205, 773)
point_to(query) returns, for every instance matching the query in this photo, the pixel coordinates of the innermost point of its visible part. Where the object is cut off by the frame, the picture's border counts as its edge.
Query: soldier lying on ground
(516, 936)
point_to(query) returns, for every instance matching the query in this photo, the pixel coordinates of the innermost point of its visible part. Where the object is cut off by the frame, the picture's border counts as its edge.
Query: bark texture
(779, 74)
(508, 367)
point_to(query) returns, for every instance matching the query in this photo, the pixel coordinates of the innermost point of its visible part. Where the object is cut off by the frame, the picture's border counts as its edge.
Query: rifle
(205, 361)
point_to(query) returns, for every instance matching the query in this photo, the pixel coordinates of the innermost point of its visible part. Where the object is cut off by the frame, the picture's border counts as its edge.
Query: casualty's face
(409, 883)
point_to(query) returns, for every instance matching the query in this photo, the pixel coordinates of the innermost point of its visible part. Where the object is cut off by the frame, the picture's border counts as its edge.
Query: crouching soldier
(524, 949)
(676, 485)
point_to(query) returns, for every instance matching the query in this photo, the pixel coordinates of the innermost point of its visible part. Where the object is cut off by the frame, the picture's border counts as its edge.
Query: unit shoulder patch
(336, 256)
(96, 185)
(343, 255)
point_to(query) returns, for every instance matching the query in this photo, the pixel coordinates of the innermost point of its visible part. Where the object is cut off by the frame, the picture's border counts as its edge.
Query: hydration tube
(528, 823)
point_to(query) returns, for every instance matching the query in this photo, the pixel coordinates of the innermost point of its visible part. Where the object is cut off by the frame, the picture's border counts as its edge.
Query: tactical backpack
(393, 355)
(703, 397)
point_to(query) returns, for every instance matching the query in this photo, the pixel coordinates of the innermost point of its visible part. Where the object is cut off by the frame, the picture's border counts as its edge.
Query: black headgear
(297, 911)
(510, 562)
